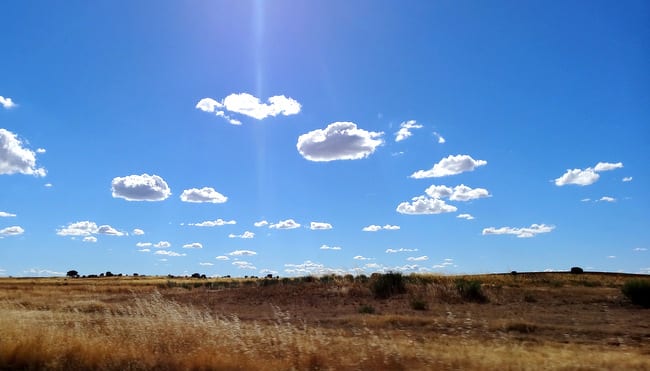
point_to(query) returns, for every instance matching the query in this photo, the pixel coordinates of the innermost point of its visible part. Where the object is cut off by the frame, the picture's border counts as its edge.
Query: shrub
(386, 285)
(73, 274)
(471, 290)
(367, 309)
(577, 270)
(638, 291)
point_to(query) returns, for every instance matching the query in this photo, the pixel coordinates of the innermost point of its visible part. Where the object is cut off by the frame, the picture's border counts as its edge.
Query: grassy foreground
(493, 322)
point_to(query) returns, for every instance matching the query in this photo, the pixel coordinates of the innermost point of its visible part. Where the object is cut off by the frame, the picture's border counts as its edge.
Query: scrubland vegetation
(382, 322)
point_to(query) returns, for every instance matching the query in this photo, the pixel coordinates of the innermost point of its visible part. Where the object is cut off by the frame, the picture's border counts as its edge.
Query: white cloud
(405, 130)
(84, 228)
(193, 245)
(607, 166)
(108, 230)
(360, 257)
(43, 272)
(640, 249)
(611, 257)
(168, 253)
(12, 231)
(607, 199)
(458, 193)
(451, 165)
(205, 194)
(143, 244)
(325, 247)
(249, 105)
(465, 216)
(4, 214)
(143, 187)
(245, 235)
(319, 226)
(311, 268)
(7, 102)
(243, 264)
(261, 223)
(441, 140)
(222, 257)
(446, 263)
(627, 179)
(418, 258)
(375, 228)
(138, 232)
(393, 251)
(424, 205)
(48, 185)
(585, 200)
(577, 177)
(242, 253)
(90, 239)
(41, 150)
(144, 250)
(525, 232)
(338, 141)
(213, 223)
(162, 245)
(206, 264)
(285, 224)
(14, 158)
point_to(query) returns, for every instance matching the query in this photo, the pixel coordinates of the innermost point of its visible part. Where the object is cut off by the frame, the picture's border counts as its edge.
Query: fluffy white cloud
(578, 177)
(441, 140)
(143, 187)
(213, 223)
(243, 264)
(607, 199)
(168, 253)
(245, 235)
(319, 226)
(627, 179)
(143, 244)
(11, 231)
(338, 141)
(375, 228)
(249, 105)
(465, 216)
(41, 150)
(92, 239)
(222, 257)
(108, 230)
(425, 205)
(458, 193)
(7, 102)
(525, 232)
(4, 214)
(325, 247)
(138, 232)
(418, 258)
(451, 165)
(405, 130)
(162, 245)
(261, 223)
(242, 253)
(393, 251)
(84, 228)
(205, 194)
(607, 166)
(193, 245)
(14, 158)
(285, 224)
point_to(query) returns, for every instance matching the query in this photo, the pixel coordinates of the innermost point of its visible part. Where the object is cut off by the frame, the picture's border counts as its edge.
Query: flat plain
(525, 321)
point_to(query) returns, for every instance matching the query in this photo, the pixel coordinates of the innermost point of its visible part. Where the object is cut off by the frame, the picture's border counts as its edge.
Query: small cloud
(14, 158)
(40, 150)
(48, 185)
(7, 102)
(611, 257)
(585, 200)
(458, 193)
(138, 232)
(338, 141)
(245, 235)
(143, 187)
(607, 166)
(418, 259)
(526, 232)
(640, 249)
(441, 140)
(222, 257)
(92, 239)
(249, 105)
(375, 228)
(168, 253)
(162, 245)
(4, 214)
(445, 263)
(144, 250)
(319, 226)
(422, 205)
(242, 253)
(465, 216)
(205, 194)
(325, 247)
(213, 223)
(405, 130)
(285, 224)
(108, 230)
(451, 165)
(393, 251)
(359, 257)
(607, 199)
(587, 176)
(143, 244)
(627, 179)
(243, 265)
(83, 228)
(206, 264)
(261, 223)
(193, 245)
(11, 231)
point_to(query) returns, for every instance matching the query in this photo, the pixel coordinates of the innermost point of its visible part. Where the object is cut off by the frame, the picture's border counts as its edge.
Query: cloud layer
(338, 141)
(143, 187)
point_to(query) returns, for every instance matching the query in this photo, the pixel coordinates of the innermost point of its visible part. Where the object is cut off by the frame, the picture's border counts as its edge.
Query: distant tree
(109, 274)
(73, 273)
(577, 270)
(196, 275)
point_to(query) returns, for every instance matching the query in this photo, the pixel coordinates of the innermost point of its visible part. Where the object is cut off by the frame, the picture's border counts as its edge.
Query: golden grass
(144, 324)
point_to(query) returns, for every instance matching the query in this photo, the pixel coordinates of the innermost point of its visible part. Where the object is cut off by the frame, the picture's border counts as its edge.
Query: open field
(510, 322)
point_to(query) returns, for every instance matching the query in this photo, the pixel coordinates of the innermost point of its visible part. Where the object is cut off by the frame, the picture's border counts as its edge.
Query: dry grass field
(530, 321)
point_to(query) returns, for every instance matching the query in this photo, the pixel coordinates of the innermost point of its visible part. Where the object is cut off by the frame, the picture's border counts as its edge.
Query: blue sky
(294, 138)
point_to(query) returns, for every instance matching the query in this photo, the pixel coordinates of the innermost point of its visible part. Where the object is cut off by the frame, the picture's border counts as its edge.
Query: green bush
(386, 285)
(638, 291)
(471, 290)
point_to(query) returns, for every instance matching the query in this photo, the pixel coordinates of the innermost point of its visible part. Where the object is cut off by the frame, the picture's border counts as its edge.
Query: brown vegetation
(523, 321)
